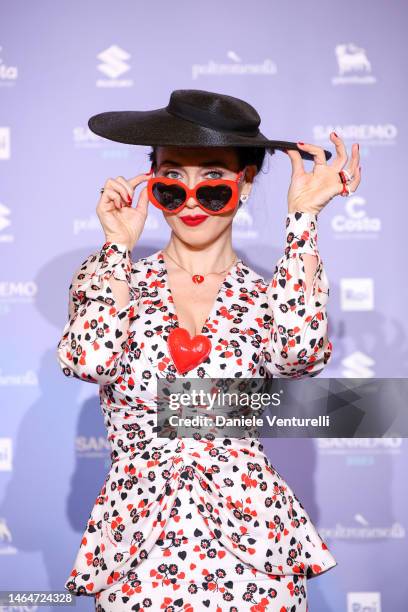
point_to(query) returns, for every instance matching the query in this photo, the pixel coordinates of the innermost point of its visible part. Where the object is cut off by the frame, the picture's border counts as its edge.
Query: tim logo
(114, 64)
(364, 602)
(353, 65)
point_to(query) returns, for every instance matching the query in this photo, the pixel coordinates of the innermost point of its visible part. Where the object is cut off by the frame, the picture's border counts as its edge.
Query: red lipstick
(193, 219)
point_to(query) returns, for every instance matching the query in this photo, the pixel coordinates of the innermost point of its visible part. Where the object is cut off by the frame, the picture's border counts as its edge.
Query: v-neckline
(172, 308)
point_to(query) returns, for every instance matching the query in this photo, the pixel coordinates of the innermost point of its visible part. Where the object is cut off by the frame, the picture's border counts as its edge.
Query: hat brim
(160, 128)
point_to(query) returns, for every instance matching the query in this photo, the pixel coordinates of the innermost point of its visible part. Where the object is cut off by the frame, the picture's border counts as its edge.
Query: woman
(192, 524)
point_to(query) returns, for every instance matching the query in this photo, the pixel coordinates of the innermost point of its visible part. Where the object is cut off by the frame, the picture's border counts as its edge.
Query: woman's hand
(120, 221)
(311, 191)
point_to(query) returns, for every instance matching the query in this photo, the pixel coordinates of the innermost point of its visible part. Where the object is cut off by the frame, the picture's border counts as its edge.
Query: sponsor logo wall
(53, 451)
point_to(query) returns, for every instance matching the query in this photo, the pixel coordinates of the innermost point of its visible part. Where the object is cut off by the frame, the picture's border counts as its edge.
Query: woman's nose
(191, 183)
(191, 202)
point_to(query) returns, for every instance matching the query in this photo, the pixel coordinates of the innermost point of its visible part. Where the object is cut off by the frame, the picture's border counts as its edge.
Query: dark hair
(246, 156)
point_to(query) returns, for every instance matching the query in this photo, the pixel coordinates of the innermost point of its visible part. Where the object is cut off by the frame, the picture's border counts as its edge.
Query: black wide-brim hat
(192, 118)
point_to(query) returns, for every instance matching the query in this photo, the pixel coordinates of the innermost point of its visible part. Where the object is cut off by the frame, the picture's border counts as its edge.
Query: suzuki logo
(114, 61)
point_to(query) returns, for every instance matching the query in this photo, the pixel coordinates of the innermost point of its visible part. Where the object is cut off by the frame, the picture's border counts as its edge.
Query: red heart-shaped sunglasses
(214, 196)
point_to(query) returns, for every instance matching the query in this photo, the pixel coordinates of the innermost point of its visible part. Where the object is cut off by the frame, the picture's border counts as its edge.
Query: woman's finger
(355, 159)
(356, 179)
(315, 150)
(121, 189)
(129, 190)
(143, 201)
(133, 182)
(297, 162)
(341, 152)
(111, 195)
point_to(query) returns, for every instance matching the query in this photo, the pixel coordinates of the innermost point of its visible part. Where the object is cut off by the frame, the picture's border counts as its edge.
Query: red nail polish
(129, 198)
(358, 146)
(335, 134)
(301, 143)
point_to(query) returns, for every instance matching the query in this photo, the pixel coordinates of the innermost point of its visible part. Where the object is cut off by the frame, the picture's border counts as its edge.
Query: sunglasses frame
(192, 193)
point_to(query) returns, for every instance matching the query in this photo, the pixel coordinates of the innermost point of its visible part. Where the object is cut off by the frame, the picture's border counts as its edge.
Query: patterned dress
(194, 524)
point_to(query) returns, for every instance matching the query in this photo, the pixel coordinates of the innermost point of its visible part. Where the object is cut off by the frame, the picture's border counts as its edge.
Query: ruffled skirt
(188, 571)
(186, 526)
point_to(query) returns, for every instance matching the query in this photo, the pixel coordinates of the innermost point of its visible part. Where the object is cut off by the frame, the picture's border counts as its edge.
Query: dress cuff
(301, 233)
(113, 258)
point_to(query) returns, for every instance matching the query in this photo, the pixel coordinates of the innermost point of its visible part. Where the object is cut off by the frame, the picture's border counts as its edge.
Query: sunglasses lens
(169, 196)
(214, 198)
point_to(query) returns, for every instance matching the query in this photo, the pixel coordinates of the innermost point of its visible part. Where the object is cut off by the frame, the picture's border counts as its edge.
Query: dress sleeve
(95, 335)
(297, 342)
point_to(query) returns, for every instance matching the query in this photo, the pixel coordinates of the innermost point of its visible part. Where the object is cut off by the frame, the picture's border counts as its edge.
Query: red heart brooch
(187, 352)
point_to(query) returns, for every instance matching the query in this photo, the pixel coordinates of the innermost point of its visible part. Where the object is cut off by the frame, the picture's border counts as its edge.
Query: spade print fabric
(194, 524)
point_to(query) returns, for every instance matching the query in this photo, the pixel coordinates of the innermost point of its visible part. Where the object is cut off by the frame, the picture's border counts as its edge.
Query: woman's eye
(218, 172)
(215, 172)
(171, 172)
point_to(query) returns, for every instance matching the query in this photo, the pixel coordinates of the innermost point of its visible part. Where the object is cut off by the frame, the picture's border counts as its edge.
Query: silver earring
(243, 198)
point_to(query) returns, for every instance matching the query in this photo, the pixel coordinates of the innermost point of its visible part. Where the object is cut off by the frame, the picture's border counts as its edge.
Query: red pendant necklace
(198, 278)
(188, 352)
